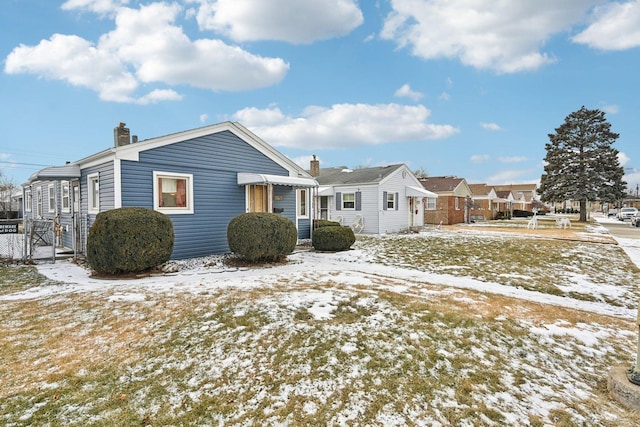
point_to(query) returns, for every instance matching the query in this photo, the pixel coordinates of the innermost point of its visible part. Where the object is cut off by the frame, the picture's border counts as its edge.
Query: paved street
(619, 228)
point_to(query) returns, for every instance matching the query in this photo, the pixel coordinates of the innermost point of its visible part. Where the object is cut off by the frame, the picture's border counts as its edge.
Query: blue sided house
(200, 178)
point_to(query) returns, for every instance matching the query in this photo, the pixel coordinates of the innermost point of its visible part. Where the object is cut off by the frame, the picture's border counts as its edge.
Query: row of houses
(204, 177)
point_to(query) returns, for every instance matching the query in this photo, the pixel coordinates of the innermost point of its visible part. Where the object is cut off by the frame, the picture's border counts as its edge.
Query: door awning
(419, 192)
(262, 178)
(68, 171)
(325, 191)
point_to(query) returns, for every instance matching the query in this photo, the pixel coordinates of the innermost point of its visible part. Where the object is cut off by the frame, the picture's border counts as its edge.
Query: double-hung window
(28, 203)
(93, 188)
(303, 203)
(391, 201)
(348, 201)
(39, 202)
(52, 198)
(66, 206)
(173, 193)
(431, 204)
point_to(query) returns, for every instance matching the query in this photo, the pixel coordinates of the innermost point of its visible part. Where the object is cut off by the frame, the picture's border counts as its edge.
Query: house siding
(393, 220)
(214, 161)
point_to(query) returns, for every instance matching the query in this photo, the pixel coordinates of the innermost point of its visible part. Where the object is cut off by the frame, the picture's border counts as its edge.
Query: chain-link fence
(12, 246)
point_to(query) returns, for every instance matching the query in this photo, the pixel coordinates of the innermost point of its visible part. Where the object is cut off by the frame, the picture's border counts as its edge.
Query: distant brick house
(524, 195)
(453, 203)
(484, 202)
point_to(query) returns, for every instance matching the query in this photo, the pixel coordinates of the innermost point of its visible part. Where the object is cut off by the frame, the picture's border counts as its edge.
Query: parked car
(635, 219)
(613, 212)
(626, 213)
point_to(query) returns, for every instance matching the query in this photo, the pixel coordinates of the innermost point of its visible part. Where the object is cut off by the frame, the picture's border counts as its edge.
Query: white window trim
(93, 206)
(306, 202)
(39, 201)
(434, 204)
(67, 186)
(344, 201)
(391, 195)
(172, 175)
(457, 203)
(28, 201)
(51, 198)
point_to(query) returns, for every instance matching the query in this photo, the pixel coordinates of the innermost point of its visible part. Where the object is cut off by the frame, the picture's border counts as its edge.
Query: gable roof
(480, 189)
(345, 176)
(132, 151)
(447, 185)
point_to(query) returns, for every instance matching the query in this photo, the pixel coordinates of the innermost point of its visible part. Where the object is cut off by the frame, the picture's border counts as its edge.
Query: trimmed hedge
(333, 239)
(325, 223)
(261, 236)
(128, 240)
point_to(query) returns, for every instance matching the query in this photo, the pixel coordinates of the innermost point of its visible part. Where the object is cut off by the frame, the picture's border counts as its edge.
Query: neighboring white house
(374, 200)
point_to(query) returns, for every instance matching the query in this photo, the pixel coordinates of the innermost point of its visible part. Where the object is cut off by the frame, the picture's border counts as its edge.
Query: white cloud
(406, 91)
(444, 96)
(514, 159)
(490, 126)
(480, 158)
(344, 125)
(97, 6)
(614, 26)
(623, 158)
(505, 36)
(145, 47)
(299, 21)
(513, 176)
(610, 109)
(203, 118)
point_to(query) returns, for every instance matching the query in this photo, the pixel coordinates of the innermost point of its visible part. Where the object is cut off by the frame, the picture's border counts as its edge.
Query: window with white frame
(431, 204)
(303, 203)
(348, 201)
(39, 202)
(391, 201)
(28, 203)
(173, 192)
(93, 192)
(457, 203)
(52, 198)
(66, 200)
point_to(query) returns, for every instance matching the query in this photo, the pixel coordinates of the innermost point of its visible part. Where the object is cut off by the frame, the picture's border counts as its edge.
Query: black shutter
(358, 201)
(397, 201)
(385, 203)
(338, 201)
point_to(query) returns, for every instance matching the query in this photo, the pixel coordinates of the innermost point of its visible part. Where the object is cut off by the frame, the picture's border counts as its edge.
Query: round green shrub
(325, 223)
(128, 240)
(261, 236)
(333, 239)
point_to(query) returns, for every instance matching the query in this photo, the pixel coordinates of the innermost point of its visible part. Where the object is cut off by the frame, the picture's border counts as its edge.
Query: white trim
(354, 201)
(28, 200)
(117, 184)
(306, 203)
(189, 209)
(51, 198)
(66, 184)
(93, 206)
(262, 178)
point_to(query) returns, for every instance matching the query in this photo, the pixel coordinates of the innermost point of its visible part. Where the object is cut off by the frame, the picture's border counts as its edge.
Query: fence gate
(11, 239)
(40, 239)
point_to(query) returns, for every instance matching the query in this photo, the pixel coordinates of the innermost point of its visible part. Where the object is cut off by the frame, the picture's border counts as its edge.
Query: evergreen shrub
(261, 236)
(128, 240)
(333, 239)
(325, 223)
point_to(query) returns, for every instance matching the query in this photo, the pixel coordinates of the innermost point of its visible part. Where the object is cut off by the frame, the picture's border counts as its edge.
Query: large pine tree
(581, 163)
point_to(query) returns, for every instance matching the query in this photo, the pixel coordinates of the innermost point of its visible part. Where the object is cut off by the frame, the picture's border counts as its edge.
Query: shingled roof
(344, 176)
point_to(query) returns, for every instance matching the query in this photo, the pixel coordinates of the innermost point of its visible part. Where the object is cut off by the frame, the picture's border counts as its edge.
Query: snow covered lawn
(463, 326)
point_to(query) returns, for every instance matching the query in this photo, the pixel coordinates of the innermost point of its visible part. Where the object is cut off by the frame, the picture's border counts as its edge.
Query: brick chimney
(121, 135)
(314, 168)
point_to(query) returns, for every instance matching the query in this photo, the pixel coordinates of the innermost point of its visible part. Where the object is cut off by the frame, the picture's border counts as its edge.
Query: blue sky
(450, 87)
